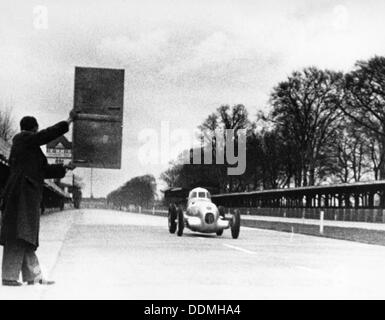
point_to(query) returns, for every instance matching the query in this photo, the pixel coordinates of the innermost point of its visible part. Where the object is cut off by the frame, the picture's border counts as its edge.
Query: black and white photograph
(170, 151)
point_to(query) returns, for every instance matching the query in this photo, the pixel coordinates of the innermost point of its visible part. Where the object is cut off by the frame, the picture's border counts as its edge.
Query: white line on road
(239, 249)
(319, 273)
(303, 268)
(307, 269)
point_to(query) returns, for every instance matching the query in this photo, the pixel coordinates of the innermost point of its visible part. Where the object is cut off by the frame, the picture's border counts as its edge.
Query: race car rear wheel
(235, 224)
(180, 221)
(172, 218)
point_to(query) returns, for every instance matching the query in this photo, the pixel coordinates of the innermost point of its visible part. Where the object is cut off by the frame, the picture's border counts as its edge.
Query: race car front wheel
(180, 222)
(235, 224)
(172, 218)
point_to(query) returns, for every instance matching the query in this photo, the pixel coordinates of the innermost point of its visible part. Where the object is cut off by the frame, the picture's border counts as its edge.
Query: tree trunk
(312, 175)
(382, 158)
(298, 178)
(304, 174)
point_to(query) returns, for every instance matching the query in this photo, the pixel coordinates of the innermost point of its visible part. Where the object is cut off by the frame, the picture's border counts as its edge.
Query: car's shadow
(200, 235)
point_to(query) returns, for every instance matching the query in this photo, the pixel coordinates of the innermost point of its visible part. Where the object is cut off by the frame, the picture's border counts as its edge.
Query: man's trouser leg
(18, 257)
(30, 269)
(13, 256)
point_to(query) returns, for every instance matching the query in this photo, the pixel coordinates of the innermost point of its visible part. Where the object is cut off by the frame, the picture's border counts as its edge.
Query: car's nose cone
(209, 218)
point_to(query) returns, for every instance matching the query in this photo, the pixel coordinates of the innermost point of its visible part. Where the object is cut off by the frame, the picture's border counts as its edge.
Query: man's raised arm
(45, 136)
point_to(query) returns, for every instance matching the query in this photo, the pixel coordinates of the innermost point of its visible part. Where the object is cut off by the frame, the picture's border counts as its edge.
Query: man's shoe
(41, 281)
(12, 283)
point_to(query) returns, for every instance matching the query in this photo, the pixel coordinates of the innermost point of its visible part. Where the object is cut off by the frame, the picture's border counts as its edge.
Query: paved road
(100, 254)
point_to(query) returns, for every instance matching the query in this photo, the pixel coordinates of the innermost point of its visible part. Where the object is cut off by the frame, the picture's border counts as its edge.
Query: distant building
(59, 151)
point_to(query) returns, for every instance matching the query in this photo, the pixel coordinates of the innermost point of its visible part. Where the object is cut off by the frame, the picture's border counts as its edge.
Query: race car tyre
(235, 224)
(221, 212)
(171, 218)
(180, 222)
(219, 232)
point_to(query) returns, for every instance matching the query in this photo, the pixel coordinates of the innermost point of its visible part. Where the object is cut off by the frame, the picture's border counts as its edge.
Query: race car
(202, 215)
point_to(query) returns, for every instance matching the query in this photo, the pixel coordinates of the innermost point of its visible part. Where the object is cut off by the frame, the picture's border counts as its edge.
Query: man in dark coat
(22, 198)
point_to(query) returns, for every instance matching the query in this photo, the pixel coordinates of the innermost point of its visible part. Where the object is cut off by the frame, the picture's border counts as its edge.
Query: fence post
(374, 215)
(321, 222)
(352, 214)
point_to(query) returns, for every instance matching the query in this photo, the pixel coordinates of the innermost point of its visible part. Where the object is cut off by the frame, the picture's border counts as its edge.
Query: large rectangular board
(97, 132)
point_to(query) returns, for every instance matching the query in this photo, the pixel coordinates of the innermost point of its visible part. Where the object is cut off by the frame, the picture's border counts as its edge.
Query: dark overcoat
(22, 196)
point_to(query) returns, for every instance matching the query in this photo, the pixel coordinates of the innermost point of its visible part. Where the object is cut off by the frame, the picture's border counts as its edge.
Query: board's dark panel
(97, 133)
(98, 144)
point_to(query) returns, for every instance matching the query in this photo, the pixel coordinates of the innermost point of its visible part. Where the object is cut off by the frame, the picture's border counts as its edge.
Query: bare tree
(139, 191)
(352, 152)
(375, 157)
(7, 130)
(226, 117)
(305, 106)
(364, 102)
(171, 175)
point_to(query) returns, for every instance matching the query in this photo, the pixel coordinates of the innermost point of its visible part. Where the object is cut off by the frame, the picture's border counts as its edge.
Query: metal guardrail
(337, 214)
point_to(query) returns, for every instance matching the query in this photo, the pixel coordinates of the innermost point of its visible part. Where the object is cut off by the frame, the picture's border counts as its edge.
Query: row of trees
(139, 191)
(323, 126)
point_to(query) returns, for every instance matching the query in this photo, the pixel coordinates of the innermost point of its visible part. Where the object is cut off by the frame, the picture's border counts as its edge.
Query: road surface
(101, 254)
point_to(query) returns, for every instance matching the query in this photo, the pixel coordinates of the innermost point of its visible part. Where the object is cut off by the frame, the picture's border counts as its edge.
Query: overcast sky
(183, 59)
